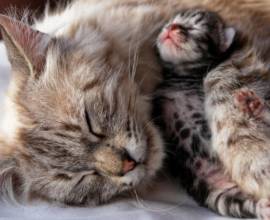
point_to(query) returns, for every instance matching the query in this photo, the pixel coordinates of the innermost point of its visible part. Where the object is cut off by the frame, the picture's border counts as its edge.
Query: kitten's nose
(174, 27)
(128, 164)
(178, 28)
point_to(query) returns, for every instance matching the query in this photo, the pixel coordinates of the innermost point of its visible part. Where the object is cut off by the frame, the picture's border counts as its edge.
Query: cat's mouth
(147, 168)
(172, 36)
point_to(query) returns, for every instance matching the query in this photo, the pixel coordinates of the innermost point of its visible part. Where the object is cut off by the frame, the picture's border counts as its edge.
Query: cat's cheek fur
(167, 53)
(173, 54)
(9, 121)
(155, 152)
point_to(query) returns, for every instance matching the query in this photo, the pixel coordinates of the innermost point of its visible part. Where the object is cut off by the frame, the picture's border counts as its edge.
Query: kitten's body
(109, 39)
(180, 103)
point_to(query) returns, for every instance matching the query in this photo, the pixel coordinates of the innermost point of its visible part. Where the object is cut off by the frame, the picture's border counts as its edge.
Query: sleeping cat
(77, 128)
(190, 45)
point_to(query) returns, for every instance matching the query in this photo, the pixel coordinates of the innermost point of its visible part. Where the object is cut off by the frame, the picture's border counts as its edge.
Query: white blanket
(165, 201)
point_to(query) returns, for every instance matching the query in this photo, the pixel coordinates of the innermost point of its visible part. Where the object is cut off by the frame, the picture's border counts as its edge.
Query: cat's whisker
(129, 61)
(142, 204)
(135, 62)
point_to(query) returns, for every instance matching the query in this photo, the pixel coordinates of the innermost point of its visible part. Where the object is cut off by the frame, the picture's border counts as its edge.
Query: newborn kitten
(190, 45)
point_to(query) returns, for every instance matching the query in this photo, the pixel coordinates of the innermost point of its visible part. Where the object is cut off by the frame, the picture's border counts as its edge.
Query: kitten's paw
(263, 209)
(248, 102)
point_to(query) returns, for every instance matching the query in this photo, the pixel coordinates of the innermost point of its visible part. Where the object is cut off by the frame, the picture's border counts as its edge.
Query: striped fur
(182, 117)
(83, 131)
(91, 48)
(240, 137)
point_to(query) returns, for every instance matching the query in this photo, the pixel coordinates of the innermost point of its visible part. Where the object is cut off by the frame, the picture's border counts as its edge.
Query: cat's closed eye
(90, 127)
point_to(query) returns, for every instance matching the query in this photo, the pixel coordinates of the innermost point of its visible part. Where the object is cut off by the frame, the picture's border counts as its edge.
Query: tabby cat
(77, 128)
(190, 45)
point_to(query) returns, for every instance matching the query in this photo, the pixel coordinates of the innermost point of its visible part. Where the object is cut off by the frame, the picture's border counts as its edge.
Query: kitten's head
(83, 132)
(192, 35)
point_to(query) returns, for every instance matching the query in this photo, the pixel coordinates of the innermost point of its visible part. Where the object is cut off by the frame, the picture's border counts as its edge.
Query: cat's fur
(180, 103)
(239, 122)
(102, 38)
(82, 131)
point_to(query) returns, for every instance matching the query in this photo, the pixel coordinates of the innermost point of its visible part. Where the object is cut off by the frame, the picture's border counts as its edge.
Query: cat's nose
(174, 27)
(178, 28)
(129, 164)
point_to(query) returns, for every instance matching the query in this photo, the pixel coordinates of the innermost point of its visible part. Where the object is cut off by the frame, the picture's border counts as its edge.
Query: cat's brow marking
(90, 85)
(71, 127)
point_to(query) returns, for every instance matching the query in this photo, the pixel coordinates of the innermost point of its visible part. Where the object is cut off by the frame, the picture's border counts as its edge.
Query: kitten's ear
(229, 35)
(26, 47)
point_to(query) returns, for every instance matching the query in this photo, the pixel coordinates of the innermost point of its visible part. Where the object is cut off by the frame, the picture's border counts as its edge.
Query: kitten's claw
(248, 102)
(263, 209)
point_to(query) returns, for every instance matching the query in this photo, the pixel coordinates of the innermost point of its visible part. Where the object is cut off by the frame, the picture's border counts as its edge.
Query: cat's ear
(229, 36)
(26, 47)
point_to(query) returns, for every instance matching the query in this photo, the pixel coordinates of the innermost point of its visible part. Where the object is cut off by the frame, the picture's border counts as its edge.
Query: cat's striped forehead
(197, 18)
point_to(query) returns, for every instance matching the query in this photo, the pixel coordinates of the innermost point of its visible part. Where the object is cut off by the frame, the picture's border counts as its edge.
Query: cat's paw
(248, 102)
(263, 209)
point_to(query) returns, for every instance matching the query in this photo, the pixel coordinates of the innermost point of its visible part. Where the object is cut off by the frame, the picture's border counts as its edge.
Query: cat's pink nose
(174, 35)
(128, 165)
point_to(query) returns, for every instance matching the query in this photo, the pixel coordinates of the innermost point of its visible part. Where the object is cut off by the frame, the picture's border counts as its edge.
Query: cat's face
(85, 133)
(192, 35)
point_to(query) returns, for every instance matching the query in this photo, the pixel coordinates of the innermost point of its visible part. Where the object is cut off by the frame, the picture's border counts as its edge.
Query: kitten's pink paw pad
(248, 102)
(263, 209)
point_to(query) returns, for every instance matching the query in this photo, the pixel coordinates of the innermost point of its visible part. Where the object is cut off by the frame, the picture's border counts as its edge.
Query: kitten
(237, 107)
(190, 45)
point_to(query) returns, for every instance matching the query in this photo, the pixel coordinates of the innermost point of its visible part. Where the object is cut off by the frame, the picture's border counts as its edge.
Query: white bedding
(164, 202)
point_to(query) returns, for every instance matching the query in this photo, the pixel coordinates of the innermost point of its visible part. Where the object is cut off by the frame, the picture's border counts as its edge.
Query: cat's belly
(184, 120)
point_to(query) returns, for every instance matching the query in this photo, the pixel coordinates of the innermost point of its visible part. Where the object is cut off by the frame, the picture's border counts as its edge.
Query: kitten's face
(85, 133)
(194, 34)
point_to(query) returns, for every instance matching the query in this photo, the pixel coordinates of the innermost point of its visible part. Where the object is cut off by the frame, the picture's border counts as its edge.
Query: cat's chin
(169, 52)
(145, 171)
